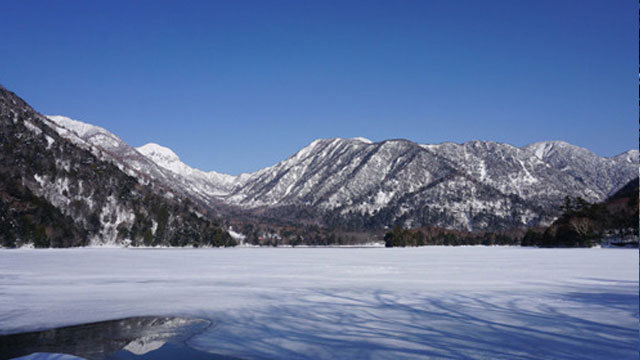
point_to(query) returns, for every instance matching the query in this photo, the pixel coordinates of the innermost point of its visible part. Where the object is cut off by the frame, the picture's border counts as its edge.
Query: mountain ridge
(336, 178)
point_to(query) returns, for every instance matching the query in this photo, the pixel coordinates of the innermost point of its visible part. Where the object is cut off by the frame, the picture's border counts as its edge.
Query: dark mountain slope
(612, 222)
(29, 219)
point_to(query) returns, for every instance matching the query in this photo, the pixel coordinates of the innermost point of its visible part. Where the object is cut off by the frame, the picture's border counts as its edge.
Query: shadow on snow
(380, 325)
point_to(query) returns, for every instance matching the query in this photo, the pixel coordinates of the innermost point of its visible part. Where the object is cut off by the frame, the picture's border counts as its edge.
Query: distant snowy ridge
(475, 185)
(150, 162)
(105, 145)
(167, 159)
(347, 181)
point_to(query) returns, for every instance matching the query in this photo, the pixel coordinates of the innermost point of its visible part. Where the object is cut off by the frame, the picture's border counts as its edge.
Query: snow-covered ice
(328, 303)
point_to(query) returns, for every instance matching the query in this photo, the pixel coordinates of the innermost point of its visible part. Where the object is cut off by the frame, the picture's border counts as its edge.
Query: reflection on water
(149, 337)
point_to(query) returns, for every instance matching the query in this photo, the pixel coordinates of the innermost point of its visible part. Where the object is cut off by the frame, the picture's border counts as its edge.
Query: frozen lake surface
(335, 303)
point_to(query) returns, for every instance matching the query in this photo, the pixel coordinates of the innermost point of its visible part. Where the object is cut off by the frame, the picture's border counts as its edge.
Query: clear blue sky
(235, 86)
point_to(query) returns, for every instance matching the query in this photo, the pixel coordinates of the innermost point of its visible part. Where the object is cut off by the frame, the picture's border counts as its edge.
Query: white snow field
(335, 303)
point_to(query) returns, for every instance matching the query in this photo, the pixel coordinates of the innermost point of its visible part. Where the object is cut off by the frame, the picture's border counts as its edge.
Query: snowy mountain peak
(150, 161)
(363, 139)
(630, 156)
(210, 183)
(158, 153)
(544, 149)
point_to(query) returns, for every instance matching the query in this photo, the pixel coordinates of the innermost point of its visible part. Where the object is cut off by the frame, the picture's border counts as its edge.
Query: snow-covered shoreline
(369, 245)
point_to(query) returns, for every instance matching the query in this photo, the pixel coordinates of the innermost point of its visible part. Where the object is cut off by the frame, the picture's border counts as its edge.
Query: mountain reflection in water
(149, 337)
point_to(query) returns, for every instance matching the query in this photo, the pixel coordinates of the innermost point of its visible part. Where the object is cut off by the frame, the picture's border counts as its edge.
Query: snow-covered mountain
(356, 183)
(66, 183)
(603, 175)
(213, 183)
(150, 162)
(475, 185)
(105, 144)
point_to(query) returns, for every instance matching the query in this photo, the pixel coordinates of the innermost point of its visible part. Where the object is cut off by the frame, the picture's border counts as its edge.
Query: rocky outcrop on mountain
(60, 191)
